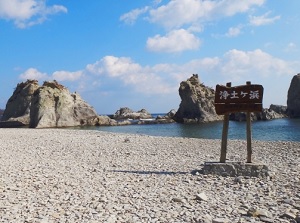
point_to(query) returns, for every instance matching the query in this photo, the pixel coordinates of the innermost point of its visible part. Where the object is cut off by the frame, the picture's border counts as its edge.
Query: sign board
(240, 98)
(229, 99)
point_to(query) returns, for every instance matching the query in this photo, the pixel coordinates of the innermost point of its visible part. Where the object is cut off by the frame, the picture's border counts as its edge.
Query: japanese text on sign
(239, 94)
(240, 98)
(226, 95)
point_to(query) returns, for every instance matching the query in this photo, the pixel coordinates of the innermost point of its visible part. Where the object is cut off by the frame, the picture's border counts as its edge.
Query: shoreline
(59, 175)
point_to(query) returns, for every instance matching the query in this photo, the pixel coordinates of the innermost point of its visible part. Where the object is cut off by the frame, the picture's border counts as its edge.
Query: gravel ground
(60, 175)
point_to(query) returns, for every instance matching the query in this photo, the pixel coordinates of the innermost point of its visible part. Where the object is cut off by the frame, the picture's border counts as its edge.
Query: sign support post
(225, 135)
(249, 143)
(249, 134)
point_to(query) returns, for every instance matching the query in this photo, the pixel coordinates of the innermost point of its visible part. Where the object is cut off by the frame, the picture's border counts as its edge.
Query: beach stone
(288, 214)
(239, 179)
(176, 199)
(266, 219)
(298, 218)
(253, 212)
(220, 220)
(207, 218)
(202, 197)
(296, 206)
(288, 201)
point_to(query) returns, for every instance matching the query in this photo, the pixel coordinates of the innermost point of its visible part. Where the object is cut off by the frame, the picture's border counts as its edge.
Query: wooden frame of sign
(245, 98)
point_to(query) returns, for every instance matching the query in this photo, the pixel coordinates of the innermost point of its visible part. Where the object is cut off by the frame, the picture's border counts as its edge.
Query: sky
(133, 53)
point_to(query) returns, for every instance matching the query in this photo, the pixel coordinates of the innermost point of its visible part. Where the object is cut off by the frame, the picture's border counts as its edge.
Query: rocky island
(197, 102)
(52, 105)
(293, 101)
(49, 105)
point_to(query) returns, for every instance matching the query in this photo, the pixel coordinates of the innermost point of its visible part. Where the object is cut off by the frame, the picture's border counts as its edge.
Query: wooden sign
(240, 98)
(229, 99)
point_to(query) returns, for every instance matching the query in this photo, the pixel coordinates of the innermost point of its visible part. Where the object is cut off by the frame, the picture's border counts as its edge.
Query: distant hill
(1, 112)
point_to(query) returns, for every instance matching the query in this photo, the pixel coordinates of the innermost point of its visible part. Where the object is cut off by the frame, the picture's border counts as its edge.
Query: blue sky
(135, 53)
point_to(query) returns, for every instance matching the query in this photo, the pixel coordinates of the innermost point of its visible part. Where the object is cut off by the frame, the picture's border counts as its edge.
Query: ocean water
(273, 130)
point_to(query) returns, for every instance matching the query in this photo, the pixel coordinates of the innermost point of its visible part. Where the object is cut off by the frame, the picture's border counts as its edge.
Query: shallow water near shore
(273, 130)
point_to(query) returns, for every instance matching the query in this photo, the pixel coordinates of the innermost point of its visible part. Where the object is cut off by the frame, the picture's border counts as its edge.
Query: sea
(283, 129)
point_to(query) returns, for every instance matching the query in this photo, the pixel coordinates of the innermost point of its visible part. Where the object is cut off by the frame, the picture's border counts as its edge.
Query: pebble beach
(64, 175)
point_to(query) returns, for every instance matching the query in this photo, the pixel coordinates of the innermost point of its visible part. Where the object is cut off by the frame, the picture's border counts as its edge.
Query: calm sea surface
(274, 130)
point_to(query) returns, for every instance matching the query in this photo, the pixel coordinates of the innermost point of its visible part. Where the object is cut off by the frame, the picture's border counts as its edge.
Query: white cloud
(27, 13)
(33, 74)
(234, 65)
(183, 18)
(232, 7)
(67, 76)
(142, 79)
(291, 47)
(237, 64)
(110, 73)
(181, 12)
(114, 66)
(233, 32)
(157, 2)
(131, 17)
(174, 41)
(262, 20)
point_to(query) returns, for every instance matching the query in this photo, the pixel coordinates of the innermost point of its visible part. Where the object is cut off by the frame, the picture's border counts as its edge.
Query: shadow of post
(149, 172)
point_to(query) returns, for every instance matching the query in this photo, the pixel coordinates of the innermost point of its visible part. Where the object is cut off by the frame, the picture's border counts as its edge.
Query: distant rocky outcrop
(274, 112)
(169, 115)
(54, 106)
(127, 113)
(293, 100)
(197, 102)
(50, 105)
(280, 109)
(168, 118)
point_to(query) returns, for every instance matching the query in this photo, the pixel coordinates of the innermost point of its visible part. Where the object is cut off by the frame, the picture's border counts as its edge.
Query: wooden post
(225, 135)
(249, 138)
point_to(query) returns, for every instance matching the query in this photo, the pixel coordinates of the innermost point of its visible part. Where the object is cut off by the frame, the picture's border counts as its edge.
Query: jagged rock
(274, 112)
(293, 100)
(280, 109)
(101, 120)
(168, 118)
(127, 113)
(50, 105)
(169, 115)
(241, 116)
(54, 106)
(269, 114)
(197, 102)
(18, 105)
